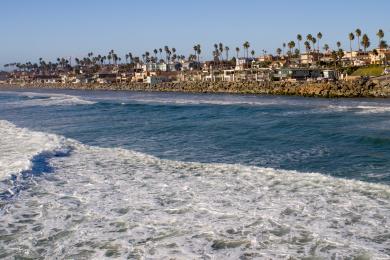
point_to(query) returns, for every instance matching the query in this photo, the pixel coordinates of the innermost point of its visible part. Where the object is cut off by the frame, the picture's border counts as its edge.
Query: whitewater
(101, 175)
(111, 202)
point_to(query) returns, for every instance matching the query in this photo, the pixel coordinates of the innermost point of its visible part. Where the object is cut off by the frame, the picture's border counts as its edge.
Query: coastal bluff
(379, 87)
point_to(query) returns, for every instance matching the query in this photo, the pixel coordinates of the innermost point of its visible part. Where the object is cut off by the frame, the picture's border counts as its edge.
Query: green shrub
(369, 71)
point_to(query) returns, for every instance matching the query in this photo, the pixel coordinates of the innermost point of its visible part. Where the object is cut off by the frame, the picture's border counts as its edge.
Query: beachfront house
(309, 58)
(379, 56)
(297, 74)
(47, 79)
(105, 78)
(243, 63)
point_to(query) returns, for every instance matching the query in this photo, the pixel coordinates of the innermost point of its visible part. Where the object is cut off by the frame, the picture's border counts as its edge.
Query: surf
(101, 202)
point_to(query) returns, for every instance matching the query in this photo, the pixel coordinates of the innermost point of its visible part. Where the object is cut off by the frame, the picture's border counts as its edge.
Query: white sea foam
(210, 101)
(373, 109)
(105, 202)
(18, 146)
(49, 99)
(360, 108)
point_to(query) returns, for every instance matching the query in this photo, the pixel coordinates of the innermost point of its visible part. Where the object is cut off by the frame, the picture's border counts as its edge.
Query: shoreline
(341, 89)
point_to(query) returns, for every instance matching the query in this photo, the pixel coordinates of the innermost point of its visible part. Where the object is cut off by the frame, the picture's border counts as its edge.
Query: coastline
(339, 89)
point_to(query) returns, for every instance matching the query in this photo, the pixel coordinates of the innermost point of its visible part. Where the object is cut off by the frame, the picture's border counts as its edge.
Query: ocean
(132, 175)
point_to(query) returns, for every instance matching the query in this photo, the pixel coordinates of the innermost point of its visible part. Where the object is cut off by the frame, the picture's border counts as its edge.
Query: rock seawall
(359, 88)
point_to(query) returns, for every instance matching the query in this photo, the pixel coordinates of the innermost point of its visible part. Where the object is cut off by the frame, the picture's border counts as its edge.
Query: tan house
(379, 56)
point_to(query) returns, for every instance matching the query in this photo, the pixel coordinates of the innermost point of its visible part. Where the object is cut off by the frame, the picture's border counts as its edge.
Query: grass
(369, 71)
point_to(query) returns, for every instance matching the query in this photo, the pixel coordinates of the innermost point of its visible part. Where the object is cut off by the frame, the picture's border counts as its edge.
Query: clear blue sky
(62, 28)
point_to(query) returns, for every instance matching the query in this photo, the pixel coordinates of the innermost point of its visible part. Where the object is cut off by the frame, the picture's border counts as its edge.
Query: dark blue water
(348, 138)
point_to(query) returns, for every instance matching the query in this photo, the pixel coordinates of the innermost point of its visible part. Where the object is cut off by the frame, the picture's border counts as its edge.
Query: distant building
(379, 56)
(105, 78)
(298, 74)
(4, 77)
(243, 63)
(47, 79)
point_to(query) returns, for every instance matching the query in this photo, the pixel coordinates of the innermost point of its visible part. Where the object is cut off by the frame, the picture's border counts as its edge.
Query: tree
(167, 53)
(227, 52)
(358, 33)
(197, 51)
(291, 46)
(160, 50)
(338, 44)
(246, 46)
(238, 52)
(279, 51)
(326, 48)
(365, 42)
(299, 38)
(309, 38)
(284, 47)
(319, 36)
(314, 40)
(155, 51)
(351, 38)
(220, 50)
(383, 45)
(334, 57)
(253, 54)
(340, 54)
(380, 35)
(307, 46)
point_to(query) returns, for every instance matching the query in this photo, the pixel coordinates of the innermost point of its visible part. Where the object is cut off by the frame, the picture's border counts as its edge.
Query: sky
(31, 29)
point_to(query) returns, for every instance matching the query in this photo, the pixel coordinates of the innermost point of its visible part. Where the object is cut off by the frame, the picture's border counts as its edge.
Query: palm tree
(131, 59)
(326, 47)
(365, 42)
(314, 40)
(220, 49)
(160, 50)
(238, 52)
(227, 52)
(284, 47)
(338, 44)
(155, 51)
(307, 46)
(198, 51)
(309, 38)
(319, 37)
(351, 38)
(383, 45)
(380, 35)
(246, 46)
(299, 38)
(291, 46)
(253, 54)
(167, 51)
(279, 51)
(340, 54)
(358, 33)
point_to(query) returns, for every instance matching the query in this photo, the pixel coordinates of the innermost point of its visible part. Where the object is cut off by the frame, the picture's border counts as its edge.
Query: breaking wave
(46, 99)
(111, 202)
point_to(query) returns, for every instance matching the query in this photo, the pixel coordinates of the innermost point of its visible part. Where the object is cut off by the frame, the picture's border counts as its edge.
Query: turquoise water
(190, 174)
(347, 138)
